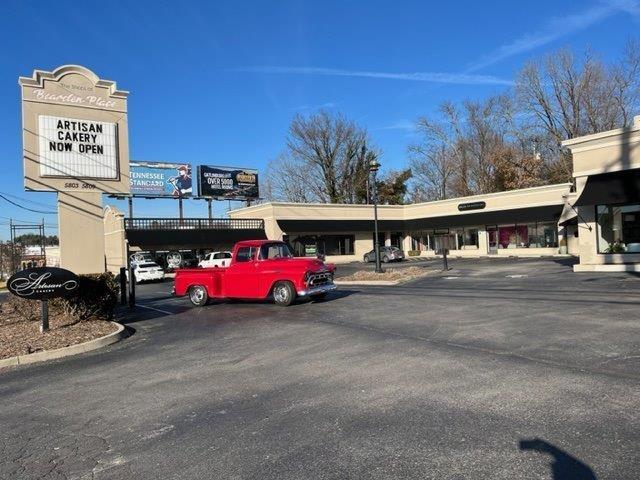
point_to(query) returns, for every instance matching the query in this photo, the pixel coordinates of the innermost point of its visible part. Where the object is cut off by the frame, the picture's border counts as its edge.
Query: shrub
(97, 296)
(414, 253)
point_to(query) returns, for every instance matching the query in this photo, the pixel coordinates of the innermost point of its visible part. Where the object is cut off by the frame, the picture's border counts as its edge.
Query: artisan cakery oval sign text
(43, 283)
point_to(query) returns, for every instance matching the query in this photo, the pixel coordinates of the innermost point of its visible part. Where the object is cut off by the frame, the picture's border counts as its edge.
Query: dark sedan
(387, 254)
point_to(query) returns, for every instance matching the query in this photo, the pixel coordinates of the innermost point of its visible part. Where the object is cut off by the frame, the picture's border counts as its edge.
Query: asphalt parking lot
(496, 369)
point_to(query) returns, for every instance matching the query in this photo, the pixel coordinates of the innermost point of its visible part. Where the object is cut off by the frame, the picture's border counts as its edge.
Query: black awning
(549, 213)
(614, 187)
(167, 239)
(338, 226)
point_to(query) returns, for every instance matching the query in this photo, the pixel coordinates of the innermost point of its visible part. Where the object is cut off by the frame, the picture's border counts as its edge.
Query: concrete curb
(94, 344)
(367, 282)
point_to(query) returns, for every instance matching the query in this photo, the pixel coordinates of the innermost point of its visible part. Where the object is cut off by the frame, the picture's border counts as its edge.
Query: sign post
(43, 283)
(44, 322)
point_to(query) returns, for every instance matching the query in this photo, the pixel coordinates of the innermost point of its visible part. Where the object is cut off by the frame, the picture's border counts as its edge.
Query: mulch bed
(21, 337)
(390, 274)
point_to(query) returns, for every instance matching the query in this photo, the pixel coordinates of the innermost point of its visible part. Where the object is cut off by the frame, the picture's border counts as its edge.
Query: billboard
(228, 182)
(159, 179)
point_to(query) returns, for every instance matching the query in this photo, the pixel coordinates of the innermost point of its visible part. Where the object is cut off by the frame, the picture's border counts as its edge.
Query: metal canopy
(608, 188)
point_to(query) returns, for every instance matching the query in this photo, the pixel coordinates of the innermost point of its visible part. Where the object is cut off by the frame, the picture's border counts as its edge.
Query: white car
(148, 272)
(215, 259)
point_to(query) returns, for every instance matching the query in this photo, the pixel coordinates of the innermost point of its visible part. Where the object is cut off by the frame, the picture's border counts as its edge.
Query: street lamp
(373, 168)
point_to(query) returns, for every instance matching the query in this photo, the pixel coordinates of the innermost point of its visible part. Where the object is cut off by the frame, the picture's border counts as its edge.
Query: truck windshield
(274, 250)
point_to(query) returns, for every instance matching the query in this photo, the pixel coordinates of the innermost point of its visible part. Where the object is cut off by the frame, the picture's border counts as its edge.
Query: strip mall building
(597, 218)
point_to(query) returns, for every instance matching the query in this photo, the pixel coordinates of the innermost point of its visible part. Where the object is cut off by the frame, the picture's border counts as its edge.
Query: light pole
(373, 168)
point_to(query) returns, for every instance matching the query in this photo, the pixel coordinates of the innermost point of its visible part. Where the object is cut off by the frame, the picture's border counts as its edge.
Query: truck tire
(198, 295)
(284, 294)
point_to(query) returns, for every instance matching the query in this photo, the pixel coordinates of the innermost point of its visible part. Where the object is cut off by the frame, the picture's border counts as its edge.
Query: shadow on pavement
(564, 466)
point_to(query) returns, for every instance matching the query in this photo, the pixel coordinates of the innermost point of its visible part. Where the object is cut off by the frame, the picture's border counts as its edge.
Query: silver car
(387, 254)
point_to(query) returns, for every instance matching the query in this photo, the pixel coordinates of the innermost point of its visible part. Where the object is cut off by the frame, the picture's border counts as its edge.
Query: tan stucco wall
(81, 232)
(528, 197)
(610, 151)
(115, 243)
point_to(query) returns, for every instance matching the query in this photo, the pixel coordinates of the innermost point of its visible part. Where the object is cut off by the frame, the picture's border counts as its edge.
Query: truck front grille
(318, 279)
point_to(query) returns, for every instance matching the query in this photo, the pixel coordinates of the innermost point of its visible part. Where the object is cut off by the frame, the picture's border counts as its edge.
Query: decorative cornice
(39, 76)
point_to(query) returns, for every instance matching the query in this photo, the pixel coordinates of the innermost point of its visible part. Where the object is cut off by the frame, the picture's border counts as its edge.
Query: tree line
(506, 141)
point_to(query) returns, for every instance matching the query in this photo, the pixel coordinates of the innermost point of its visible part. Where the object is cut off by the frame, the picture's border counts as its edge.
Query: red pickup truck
(258, 269)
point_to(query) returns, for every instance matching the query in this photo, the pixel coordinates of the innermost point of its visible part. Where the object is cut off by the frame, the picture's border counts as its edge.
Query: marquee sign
(43, 283)
(74, 128)
(77, 148)
(228, 182)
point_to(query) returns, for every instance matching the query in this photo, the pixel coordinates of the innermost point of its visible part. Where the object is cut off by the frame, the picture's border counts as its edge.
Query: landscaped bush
(96, 297)
(414, 253)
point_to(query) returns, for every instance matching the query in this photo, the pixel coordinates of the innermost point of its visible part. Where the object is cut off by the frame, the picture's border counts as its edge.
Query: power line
(26, 208)
(27, 200)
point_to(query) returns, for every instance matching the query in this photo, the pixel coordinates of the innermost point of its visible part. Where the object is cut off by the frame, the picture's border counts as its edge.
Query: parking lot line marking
(156, 309)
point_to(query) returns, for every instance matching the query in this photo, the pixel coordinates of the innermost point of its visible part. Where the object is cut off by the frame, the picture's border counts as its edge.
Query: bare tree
(563, 98)
(324, 161)
(472, 149)
(433, 168)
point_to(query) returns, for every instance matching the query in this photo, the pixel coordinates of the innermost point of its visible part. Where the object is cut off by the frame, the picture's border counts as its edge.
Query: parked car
(147, 272)
(387, 254)
(258, 269)
(141, 257)
(215, 259)
(174, 259)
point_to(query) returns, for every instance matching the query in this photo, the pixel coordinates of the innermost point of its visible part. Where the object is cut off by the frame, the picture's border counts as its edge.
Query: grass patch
(389, 275)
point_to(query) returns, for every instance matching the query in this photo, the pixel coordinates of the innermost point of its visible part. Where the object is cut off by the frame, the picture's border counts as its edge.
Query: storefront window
(312, 245)
(547, 235)
(507, 237)
(529, 235)
(471, 237)
(618, 228)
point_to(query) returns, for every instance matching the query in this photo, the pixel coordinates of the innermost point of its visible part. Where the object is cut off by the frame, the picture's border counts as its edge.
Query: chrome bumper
(317, 290)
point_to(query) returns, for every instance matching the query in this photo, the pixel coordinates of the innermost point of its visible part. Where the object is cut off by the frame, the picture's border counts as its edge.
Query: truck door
(241, 278)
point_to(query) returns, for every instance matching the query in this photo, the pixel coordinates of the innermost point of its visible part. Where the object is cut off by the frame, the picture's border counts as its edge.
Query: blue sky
(219, 82)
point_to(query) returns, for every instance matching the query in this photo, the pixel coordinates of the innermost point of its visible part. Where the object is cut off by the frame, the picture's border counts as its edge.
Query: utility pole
(130, 201)
(373, 168)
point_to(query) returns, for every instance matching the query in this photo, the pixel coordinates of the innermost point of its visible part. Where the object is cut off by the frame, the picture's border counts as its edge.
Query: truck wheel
(385, 259)
(198, 295)
(284, 294)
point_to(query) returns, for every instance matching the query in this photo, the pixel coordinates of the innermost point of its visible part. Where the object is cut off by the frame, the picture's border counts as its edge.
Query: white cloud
(432, 77)
(315, 107)
(556, 28)
(402, 124)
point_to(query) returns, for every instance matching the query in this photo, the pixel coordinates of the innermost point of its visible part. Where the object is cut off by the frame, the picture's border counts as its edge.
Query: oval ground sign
(43, 283)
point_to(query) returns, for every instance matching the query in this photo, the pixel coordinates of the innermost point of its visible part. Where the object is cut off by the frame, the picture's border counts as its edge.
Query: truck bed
(211, 278)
